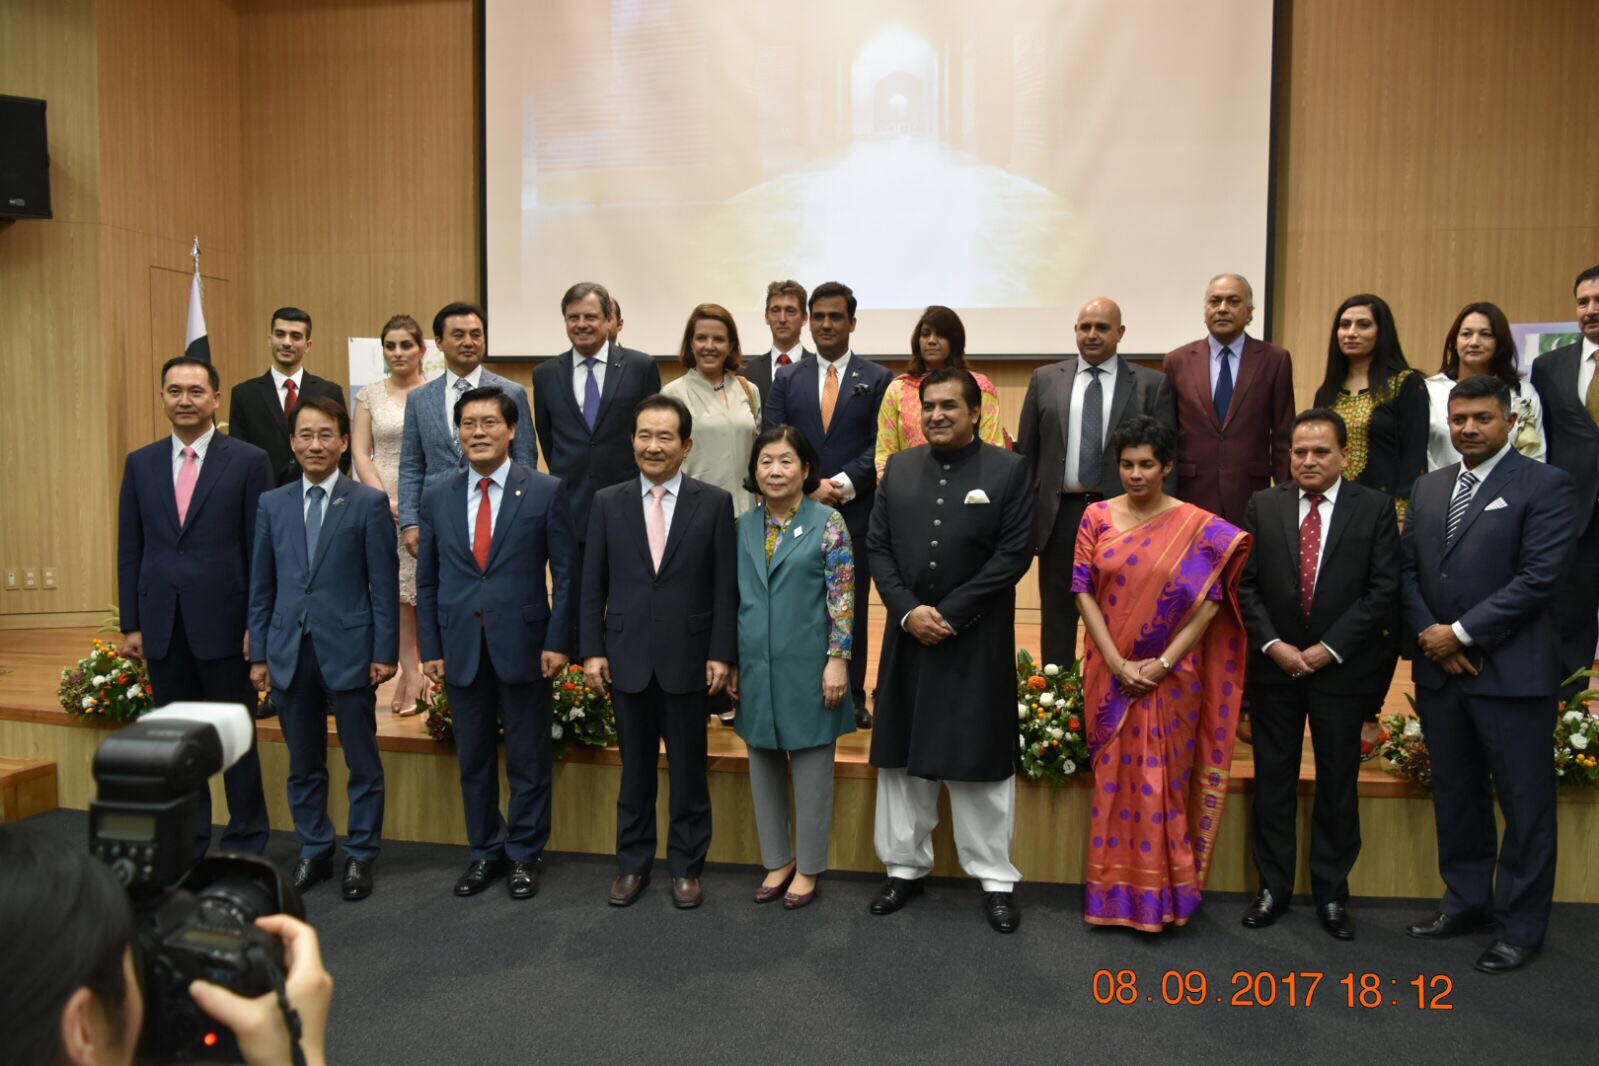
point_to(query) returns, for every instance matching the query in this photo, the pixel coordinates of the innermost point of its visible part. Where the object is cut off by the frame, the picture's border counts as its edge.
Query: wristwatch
(1162, 660)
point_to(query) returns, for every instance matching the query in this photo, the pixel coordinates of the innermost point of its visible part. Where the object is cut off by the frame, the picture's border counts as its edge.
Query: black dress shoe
(1441, 926)
(1505, 958)
(1335, 919)
(863, 718)
(1264, 909)
(524, 882)
(308, 872)
(479, 874)
(357, 880)
(894, 894)
(1003, 914)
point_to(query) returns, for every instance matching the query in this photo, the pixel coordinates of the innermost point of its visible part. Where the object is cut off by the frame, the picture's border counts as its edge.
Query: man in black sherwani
(949, 539)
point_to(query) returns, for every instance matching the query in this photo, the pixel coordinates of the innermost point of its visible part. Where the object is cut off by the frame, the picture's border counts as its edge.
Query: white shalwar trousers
(984, 814)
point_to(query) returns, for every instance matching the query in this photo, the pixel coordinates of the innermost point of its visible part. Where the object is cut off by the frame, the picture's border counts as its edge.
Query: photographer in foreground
(71, 994)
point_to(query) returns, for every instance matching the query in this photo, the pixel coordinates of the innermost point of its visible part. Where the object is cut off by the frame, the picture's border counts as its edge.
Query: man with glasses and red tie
(1319, 597)
(186, 524)
(494, 636)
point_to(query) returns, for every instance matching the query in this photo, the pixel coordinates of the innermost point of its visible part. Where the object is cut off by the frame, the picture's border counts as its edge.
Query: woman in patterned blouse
(1384, 403)
(796, 584)
(938, 340)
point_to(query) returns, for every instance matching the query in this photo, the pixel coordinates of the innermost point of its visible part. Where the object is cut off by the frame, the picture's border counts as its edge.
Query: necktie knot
(485, 483)
(188, 453)
(658, 491)
(461, 384)
(589, 362)
(782, 359)
(1226, 351)
(1316, 499)
(316, 492)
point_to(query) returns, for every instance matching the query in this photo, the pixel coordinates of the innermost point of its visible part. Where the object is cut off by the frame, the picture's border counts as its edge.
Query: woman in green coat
(796, 584)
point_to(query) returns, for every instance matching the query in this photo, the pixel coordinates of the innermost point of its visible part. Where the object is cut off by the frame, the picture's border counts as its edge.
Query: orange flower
(1074, 723)
(1037, 683)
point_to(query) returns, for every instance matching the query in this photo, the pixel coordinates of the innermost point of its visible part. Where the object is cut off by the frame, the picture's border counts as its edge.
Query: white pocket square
(1497, 505)
(977, 496)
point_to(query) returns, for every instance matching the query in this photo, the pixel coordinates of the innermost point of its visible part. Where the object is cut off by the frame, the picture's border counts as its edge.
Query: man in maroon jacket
(1235, 406)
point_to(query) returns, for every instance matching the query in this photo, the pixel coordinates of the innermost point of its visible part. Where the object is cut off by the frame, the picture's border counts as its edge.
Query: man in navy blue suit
(186, 518)
(324, 611)
(491, 636)
(834, 400)
(1482, 556)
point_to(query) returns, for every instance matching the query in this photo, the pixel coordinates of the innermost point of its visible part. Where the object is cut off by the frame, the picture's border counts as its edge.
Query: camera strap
(291, 1017)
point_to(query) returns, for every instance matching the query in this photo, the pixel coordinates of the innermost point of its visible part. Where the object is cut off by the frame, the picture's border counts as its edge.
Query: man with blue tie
(430, 449)
(1482, 556)
(324, 617)
(493, 637)
(1235, 406)
(834, 400)
(186, 518)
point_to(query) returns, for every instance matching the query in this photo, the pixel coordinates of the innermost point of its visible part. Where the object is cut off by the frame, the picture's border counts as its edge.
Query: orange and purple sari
(1161, 760)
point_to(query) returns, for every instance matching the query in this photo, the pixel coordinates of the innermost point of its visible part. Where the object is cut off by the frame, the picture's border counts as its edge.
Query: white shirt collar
(839, 362)
(327, 483)
(471, 379)
(200, 445)
(1109, 366)
(1216, 345)
(1484, 468)
(794, 354)
(1589, 348)
(501, 472)
(674, 485)
(1331, 494)
(601, 356)
(278, 378)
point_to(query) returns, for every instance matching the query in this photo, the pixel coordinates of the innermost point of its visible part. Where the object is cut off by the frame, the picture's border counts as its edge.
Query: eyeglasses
(316, 436)
(487, 425)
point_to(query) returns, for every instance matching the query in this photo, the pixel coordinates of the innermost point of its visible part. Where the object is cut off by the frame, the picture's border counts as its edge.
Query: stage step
(27, 787)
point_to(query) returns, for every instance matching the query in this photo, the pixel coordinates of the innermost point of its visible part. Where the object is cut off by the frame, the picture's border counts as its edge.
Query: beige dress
(388, 427)
(723, 433)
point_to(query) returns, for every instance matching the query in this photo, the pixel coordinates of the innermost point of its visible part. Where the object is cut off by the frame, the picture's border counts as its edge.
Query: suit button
(942, 481)
(935, 543)
(938, 521)
(940, 501)
(932, 566)
(946, 466)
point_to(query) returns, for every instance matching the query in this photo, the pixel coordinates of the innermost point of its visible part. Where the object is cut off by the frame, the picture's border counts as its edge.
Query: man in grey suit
(1568, 389)
(324, 633)
(1482, 556)
(785, 317)
(1069, 413)
(430, 449)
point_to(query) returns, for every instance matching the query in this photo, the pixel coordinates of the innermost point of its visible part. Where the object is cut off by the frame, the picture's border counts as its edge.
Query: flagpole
(194, 255)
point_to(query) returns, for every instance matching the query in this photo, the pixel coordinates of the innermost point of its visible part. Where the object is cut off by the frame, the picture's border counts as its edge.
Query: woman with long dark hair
(939, 339)
(1380, 397)
(1479, 342)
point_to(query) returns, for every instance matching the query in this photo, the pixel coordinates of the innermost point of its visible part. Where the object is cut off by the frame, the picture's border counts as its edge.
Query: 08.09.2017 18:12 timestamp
(1262, 988)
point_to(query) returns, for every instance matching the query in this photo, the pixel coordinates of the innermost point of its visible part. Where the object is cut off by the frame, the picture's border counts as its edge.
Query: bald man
(1070, 410)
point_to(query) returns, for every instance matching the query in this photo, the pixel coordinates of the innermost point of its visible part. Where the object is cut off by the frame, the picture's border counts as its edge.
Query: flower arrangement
(1403, 749)
(106, 686)
(1577, 738)
(580, 716)
(1049, 714)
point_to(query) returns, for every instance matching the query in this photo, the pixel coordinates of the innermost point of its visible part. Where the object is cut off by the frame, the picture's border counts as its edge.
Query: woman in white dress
(1479, 342)
(376, 431)
(726, 408)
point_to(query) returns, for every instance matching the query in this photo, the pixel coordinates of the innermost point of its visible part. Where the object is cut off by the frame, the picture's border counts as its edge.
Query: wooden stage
(1399, 856)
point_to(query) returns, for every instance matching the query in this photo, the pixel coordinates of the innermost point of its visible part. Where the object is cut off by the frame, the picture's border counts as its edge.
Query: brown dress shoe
(626, 888)
(686, 893)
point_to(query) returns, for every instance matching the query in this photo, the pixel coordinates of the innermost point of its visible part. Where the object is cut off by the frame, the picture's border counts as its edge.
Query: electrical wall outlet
(48, 577)
(11, 579)
(30, 578)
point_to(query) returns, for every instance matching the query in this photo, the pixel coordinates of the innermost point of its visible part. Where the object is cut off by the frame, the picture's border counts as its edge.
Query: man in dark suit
(1235, 406)
(1068, 415)
(324, 633)
(1483, 552)
(491, 636)
(1568, 389)
(833, 400)
(785, 318)
(660, 630)
(583, 404)
(1319, 596)
(259, 409)
(430, 449)
(186, 519)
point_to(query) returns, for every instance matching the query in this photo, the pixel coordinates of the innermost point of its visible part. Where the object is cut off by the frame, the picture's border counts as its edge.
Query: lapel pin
(799, 531)
(341, 501)
(519, 492)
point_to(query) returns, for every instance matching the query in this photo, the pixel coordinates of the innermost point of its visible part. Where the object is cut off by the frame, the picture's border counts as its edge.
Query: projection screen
(1008, 158)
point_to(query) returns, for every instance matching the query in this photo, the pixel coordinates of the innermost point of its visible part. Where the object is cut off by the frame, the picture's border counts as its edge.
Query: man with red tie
(259, 409)
(785, 318)
(1235, 404)
(492, 634)
(1319, 597)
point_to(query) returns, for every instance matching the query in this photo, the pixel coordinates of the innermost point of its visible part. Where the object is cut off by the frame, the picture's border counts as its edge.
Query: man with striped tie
(1481, 558)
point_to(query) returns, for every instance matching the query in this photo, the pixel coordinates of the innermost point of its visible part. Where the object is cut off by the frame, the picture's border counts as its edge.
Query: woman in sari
(939, 339)
(1157, 584)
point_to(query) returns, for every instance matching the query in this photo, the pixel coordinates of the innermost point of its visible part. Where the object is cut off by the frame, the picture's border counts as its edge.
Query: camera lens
(240, 898)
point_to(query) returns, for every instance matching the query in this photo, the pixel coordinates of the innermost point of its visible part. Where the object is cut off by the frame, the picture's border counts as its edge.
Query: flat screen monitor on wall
(1010, 159)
